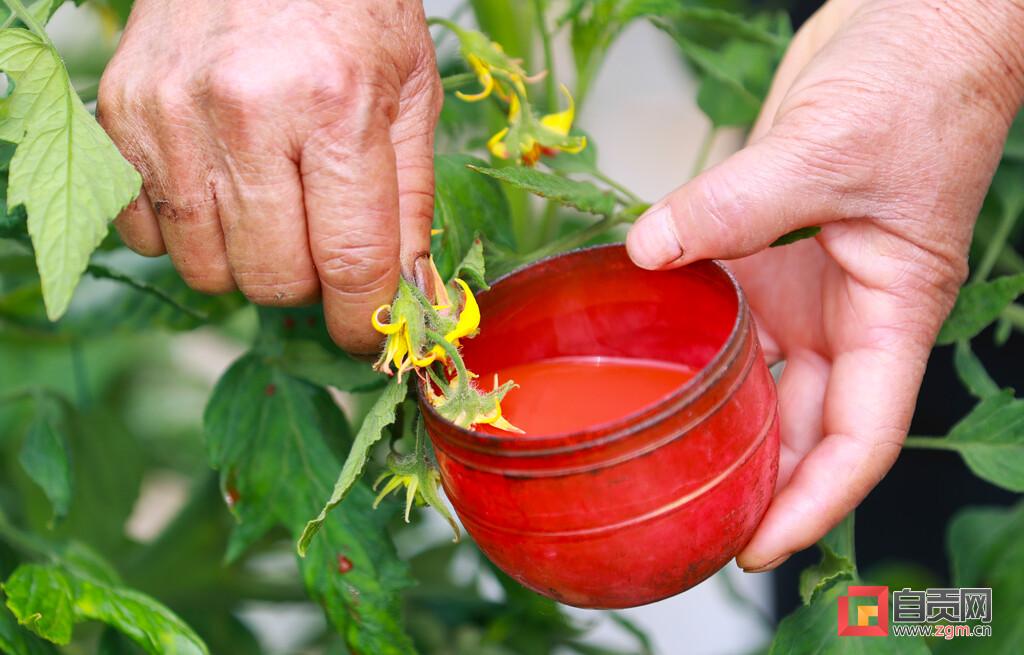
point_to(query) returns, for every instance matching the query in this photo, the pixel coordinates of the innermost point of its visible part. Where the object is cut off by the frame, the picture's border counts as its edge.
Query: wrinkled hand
(284, 147)
(884, 125)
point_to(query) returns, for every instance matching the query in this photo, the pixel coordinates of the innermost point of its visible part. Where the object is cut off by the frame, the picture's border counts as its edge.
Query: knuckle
(213, 280)
(271, 290)
(364, 270)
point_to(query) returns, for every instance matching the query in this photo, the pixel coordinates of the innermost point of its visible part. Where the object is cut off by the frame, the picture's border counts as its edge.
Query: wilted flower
(528, 138)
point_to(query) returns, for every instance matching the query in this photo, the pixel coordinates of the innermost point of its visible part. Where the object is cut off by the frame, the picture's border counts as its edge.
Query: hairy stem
(996, 245)
(550, 85)
(25, 16)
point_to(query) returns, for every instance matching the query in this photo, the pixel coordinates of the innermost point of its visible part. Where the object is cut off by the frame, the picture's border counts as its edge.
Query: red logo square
(879, 610)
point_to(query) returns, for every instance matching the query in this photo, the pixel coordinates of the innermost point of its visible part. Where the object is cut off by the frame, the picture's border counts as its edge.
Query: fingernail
(424, 277)
(652, 243)
(769, 566)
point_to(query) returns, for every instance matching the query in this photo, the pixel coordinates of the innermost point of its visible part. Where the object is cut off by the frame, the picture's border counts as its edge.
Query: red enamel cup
(642, 508)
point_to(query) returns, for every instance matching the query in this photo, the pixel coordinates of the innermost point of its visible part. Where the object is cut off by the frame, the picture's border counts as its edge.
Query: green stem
(704, 152)
(1014, 313)
(23, 14)
(548, 224)
(550, 85)
(457, 81)
(931, 443)
(576, 239)
(618, 187)
(996, 245)
(10, 20)
(453, 352)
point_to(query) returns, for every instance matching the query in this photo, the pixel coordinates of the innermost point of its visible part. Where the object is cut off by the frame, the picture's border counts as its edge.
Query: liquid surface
(569, 394)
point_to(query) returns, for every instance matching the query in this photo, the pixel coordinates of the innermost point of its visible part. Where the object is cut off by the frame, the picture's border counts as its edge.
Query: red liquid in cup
(569, 394)
(632, 483)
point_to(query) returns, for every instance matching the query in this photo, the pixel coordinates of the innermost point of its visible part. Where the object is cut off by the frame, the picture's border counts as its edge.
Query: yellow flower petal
(469, 318)
(497, 146)
(485, 77)
(562, 121)
(385, 328)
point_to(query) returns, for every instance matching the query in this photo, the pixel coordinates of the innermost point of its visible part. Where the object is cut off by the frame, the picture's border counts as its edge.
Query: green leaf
(972, 372)
(466, 206)
(990, 439)
(381, 415)
(984, 545)
(312, 362)
(15, 640)
(41, 10)
(978, 304)
(44, 455)
(66, 172)
(472, 266)
(812, 630)
(266, 433)
(584, 196)
(837, 562)
(40, 598)
(726, 23)
(796, 235)
(146, 622)
(50, 599)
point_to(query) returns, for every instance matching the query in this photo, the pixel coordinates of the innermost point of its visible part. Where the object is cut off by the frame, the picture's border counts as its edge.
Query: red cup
(642, 508)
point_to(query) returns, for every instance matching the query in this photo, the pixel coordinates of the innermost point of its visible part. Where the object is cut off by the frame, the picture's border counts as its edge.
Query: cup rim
(622, 427)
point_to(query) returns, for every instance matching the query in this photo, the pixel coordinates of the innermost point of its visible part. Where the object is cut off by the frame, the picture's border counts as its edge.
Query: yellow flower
(466, 406)
(528, 138)
(407, 345)
(491, 64)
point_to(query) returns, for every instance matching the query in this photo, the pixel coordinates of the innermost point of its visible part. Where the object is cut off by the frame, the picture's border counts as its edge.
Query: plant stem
(996, 245)
(704, 152)
(457, 81)
(23, 14)
(618, 187)
(575, 239)
(453, 352)
(78, 368)
(931, 443)
(550, 85)
(547, 226)
(1014, 313)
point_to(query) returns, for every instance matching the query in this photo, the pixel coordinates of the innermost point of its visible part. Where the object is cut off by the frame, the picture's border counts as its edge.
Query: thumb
(738, 207)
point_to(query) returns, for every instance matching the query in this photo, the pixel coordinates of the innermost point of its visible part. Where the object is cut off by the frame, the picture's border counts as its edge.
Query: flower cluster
(527, 136)
(422, 334)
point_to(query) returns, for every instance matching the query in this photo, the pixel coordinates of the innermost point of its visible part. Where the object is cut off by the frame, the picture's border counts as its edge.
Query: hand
(884, 125)
(284, 147)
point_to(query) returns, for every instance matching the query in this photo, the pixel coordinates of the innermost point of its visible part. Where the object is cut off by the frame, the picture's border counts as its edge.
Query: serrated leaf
(984, 550)
(473, 267)
(837, 562)
(991, 440)
(466, 206)
(310, 361)
(978, 304)
(40, 598)
(44, 455)
(50, 599)
(811, 630)
(381, 415)
(583, 196)
(15, 640)
(156, 629)
(972, 372)
(266, 434)
(66, 172)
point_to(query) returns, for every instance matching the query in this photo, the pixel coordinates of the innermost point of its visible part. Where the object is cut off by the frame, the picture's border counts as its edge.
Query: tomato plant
(98, 401)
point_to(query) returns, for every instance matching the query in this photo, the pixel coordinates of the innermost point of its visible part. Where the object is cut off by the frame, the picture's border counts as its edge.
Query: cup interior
(596, 302)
